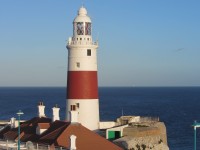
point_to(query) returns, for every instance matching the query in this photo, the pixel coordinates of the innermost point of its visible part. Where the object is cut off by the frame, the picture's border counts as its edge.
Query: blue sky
(141, 42)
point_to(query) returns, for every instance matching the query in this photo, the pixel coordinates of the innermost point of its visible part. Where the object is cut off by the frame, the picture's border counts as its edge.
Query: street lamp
(19, 113)
(196, 125)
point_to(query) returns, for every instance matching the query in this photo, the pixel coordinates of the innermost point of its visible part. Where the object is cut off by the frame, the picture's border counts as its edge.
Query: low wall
(107, 124)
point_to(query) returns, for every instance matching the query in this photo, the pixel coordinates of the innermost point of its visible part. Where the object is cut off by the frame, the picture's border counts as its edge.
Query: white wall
(88, 112)
(106, 125)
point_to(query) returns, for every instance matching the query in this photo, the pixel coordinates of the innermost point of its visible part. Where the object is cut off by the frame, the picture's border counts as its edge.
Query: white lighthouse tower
(82, 83)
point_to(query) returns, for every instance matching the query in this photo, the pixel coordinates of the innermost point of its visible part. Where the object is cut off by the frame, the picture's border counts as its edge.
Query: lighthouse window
(73, 107)
(77, 105)
(89, 53)
(78, 64)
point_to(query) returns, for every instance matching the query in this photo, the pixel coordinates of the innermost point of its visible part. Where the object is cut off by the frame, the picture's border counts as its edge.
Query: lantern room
(82, 24)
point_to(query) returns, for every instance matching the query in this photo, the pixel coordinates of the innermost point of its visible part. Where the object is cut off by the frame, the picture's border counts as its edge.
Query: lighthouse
(82, 82)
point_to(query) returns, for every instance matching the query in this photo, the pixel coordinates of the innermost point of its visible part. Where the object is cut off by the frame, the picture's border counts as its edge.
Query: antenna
(122, 112)
(82, 3)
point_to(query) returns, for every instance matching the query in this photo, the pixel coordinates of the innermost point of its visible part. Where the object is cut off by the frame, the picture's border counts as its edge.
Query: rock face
(144, 136)
(141, 143)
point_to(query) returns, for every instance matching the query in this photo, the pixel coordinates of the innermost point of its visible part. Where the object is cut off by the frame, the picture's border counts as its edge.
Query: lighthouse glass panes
(87, 28)
(80, 28)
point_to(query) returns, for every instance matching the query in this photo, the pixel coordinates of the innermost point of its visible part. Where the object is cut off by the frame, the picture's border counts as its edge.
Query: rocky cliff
(144, 136)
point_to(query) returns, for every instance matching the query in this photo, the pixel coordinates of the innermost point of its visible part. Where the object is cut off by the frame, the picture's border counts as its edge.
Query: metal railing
(82, 43)
(12, 145)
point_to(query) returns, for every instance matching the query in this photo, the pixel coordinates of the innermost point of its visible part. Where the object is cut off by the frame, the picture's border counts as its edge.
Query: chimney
(72, 142)
(73, 116)
(41, 108)
(12, 122)
(56, 110)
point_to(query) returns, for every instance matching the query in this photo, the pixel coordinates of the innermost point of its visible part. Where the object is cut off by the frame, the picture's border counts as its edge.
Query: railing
(82, 43)
(12, 145)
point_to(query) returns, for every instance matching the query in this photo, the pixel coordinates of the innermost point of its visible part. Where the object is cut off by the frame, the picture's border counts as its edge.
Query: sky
(141, 42)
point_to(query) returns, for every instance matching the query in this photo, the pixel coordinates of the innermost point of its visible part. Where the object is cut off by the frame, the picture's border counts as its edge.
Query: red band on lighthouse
(82, 85)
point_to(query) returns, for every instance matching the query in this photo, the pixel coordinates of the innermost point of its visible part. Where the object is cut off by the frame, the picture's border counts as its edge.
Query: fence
(13, 145)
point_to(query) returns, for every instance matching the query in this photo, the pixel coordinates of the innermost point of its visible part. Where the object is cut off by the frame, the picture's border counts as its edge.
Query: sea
(177, 107)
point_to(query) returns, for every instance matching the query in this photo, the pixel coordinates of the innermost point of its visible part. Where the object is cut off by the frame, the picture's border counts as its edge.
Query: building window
(89, 53)
(78, 64)
(77, 105)
(73, 108)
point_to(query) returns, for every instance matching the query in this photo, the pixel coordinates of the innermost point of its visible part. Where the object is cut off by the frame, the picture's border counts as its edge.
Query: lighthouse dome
(82, 11)
(82, 15)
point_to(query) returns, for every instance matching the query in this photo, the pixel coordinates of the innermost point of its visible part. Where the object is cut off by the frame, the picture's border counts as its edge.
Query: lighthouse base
(88, 112)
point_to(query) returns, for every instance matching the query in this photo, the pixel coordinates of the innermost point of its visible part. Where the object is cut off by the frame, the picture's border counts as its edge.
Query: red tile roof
(43, 125)
(49, 137)
(12, 134)
(27, 130)
(3, 131)
(58, 134)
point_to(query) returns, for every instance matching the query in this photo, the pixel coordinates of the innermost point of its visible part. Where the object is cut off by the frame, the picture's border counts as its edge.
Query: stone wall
(141, 143)
(144, 136)
(147, 129)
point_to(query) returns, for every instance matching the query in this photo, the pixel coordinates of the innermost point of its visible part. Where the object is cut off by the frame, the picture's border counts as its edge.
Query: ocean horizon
(176, 106)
